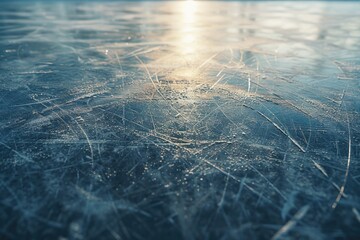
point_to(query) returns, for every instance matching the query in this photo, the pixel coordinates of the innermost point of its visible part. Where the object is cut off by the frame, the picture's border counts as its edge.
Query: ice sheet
(179, 120)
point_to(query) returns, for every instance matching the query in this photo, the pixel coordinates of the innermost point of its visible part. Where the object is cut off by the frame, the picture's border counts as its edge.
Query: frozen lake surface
(180, 120)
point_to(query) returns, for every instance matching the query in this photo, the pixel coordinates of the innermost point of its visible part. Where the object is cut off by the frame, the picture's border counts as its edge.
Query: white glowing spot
(188, 9)
(188, 30)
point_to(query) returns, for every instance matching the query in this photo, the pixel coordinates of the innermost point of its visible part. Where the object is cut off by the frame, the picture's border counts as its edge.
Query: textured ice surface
(179, 120)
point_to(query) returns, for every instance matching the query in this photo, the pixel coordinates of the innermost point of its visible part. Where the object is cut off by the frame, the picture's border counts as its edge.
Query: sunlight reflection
(187, 27)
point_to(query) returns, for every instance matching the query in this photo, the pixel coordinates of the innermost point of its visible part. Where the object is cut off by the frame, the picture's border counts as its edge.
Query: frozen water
(180, 120)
